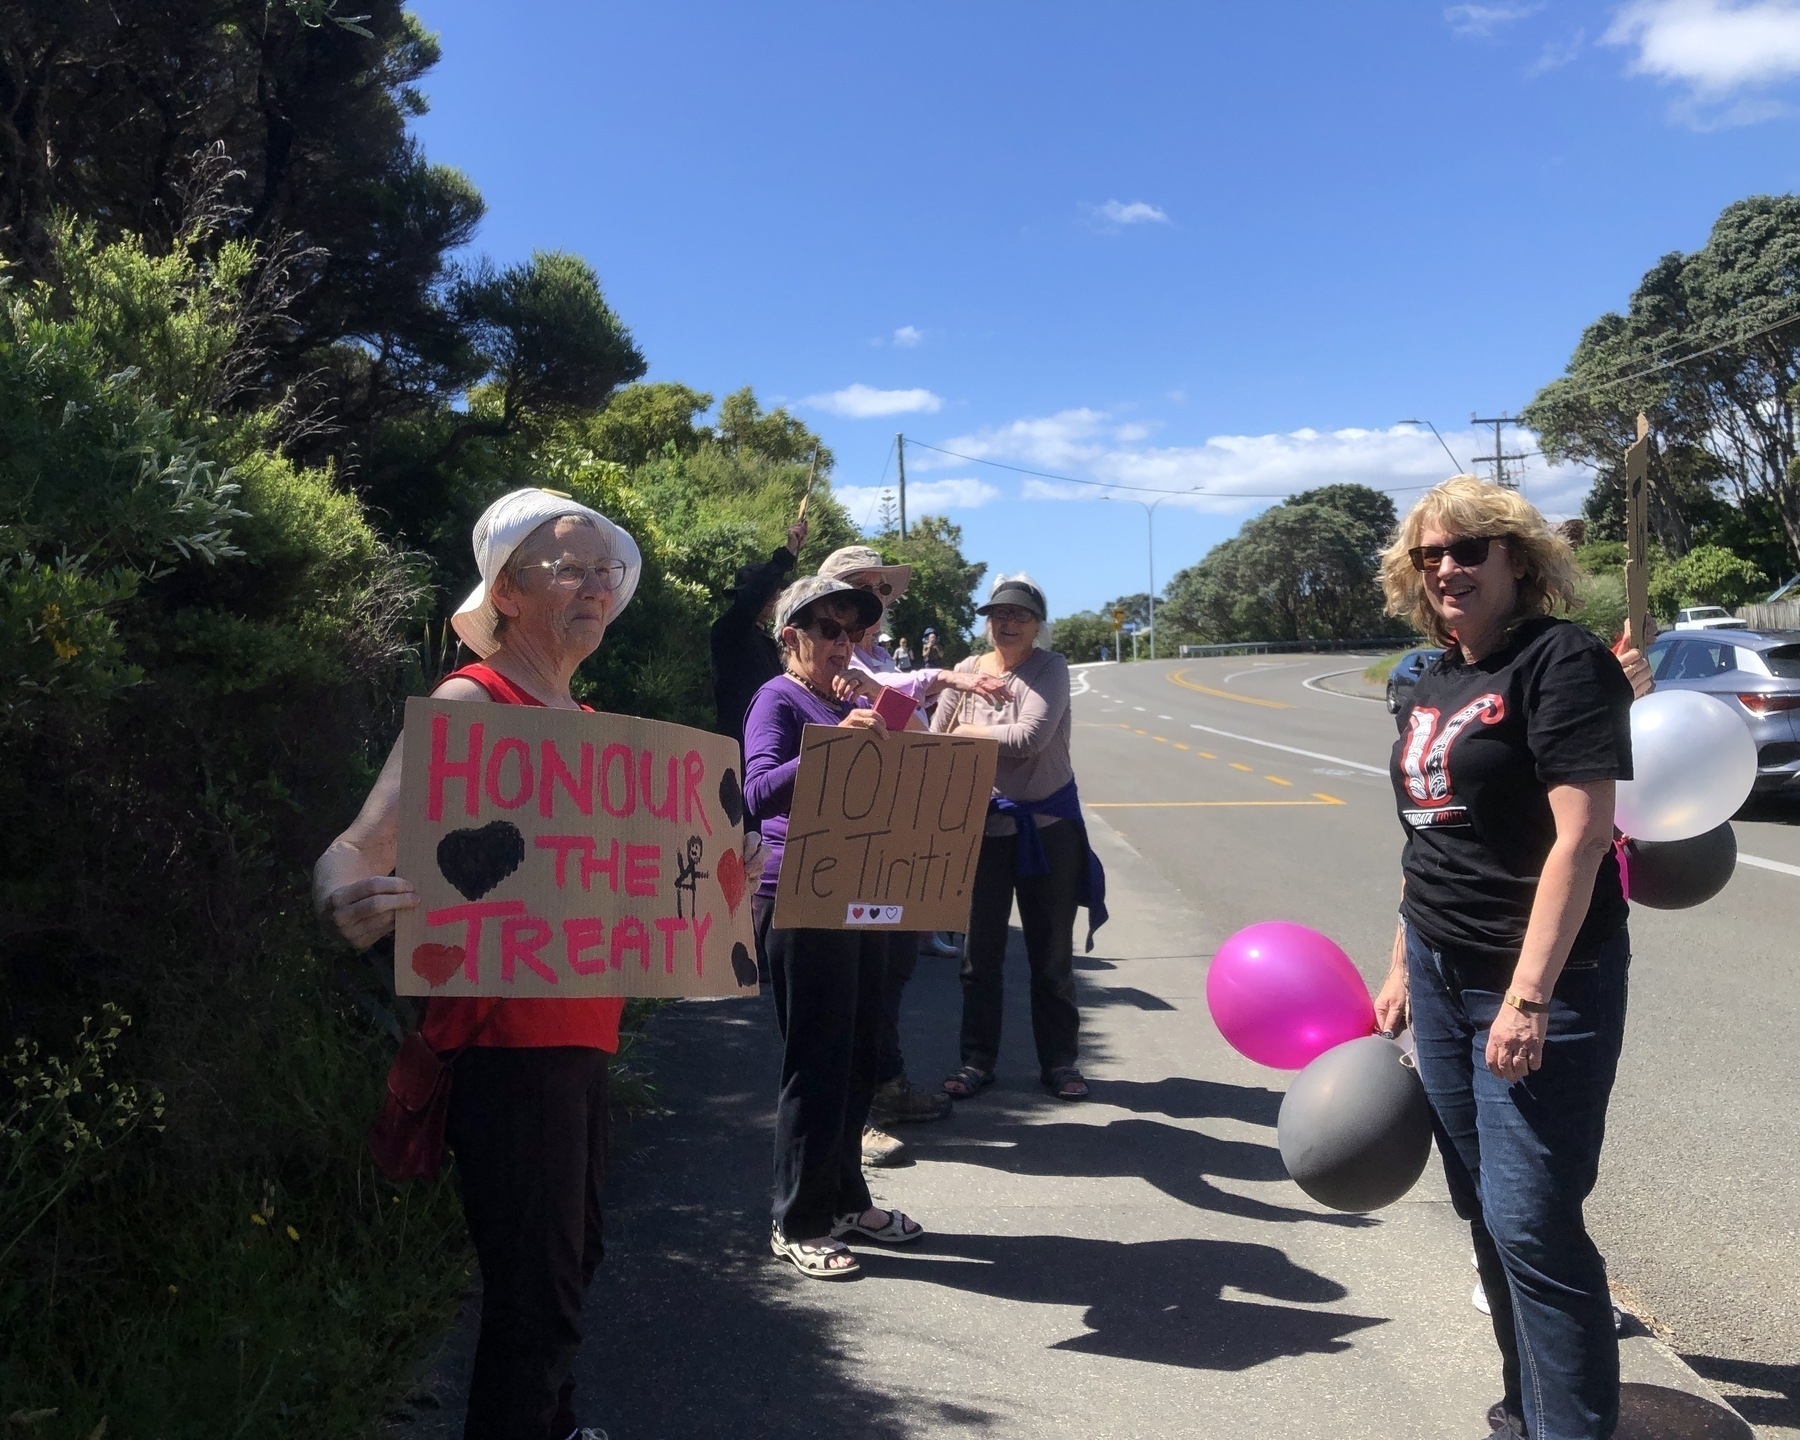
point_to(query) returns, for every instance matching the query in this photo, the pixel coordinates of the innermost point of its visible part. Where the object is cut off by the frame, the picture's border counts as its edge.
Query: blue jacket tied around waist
(1065, 804)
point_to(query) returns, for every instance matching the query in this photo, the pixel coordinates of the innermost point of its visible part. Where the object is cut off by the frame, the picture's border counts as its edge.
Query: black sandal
(967, 1083)
(1065, 1082)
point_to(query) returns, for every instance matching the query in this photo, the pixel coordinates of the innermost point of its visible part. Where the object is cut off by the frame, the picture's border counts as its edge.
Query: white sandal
(813, 1258)
(901, 1229)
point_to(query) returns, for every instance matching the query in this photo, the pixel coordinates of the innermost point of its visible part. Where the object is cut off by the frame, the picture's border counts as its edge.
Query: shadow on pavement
(1655, 1412)
(1183, 1098)
(1159, 1301)
(1782, 1407)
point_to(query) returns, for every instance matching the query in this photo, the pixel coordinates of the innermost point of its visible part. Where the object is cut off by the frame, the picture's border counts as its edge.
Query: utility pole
(1498, 459)
(900, 451)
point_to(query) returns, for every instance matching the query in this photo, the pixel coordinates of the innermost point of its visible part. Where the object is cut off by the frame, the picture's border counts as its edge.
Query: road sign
(1118, 618)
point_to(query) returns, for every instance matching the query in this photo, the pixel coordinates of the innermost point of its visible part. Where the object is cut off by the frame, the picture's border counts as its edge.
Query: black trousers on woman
(1047, 906)
(828, 1001)
(528, 1128)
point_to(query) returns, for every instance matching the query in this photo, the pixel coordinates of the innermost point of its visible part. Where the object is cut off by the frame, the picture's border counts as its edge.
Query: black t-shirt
(1480, 745)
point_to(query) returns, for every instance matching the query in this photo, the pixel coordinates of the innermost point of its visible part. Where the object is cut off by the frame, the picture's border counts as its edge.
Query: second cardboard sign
(884, 831)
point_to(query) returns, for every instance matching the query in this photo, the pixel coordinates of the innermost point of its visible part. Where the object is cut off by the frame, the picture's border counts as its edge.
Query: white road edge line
(1295, 750)
(1321, 690)
(1761, 864)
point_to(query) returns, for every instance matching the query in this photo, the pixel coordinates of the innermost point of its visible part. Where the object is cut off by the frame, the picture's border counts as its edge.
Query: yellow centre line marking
(1277, 780)
(1180, 746)
(1143, 732)
(1177, 678)
(1209, 804)
(1328, 799)
(1236, 766)
(1206, 755)
(1159, 739)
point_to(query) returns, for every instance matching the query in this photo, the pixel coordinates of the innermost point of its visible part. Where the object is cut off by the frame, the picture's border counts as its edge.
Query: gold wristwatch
(1524, 1006)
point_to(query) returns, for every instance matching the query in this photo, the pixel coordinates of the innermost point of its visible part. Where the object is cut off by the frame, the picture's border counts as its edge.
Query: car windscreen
(1783, 660)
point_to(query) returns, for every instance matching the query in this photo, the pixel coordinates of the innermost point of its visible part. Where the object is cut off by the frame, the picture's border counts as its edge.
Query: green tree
(1369, 508)
(1697, 352)
(645, 420)
(942, 591)
(1136, 608)
(1084, 635)
(1706, 575)
(774, 434)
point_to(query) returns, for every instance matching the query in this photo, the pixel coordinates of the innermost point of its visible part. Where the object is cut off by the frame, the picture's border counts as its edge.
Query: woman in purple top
(827, 983)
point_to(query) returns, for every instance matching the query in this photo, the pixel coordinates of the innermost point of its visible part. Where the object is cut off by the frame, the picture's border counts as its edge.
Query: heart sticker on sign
(436, 963)
(475, 861)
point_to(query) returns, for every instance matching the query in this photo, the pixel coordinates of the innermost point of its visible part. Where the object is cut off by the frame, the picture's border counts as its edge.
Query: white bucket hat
(499, 531)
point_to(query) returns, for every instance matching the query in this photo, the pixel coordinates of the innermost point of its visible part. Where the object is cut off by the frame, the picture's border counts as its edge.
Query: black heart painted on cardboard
(731, 796)
(475, 861)
(743, 968)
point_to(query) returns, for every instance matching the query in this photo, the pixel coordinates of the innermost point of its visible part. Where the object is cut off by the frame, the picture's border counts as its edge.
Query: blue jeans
(1520, 1159)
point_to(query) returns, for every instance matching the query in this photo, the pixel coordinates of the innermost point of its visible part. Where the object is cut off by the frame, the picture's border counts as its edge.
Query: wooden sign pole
(1637, 532)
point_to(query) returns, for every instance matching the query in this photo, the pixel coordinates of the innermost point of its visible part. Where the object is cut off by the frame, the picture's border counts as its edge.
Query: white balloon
(1695, 764)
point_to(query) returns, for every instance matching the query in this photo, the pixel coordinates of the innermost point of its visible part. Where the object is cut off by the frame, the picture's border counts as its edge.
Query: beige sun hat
(798, 596)
(866, 559)
(501, 529)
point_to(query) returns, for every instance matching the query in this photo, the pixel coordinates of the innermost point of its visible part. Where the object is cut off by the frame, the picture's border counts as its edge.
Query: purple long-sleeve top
(780, 711)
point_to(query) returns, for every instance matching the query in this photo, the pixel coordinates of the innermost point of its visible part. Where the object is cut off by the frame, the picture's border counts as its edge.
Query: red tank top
(452, 1022)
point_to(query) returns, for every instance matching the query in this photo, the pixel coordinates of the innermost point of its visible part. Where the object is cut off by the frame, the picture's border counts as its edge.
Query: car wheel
(1393, 700)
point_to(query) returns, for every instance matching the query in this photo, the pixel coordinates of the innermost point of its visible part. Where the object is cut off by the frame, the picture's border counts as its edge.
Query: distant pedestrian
(744, 655)
(931, 653)
(1512, 950)
(827, 983)
(1035, 847)
(903, 660)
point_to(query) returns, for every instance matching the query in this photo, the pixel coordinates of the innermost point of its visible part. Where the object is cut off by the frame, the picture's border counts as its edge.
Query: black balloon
(1679, 874)
(1355, 1127)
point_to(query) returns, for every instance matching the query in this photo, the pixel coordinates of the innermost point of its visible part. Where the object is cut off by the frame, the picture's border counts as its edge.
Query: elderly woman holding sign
(527, 1111)
(828, 983)
(1035, 848)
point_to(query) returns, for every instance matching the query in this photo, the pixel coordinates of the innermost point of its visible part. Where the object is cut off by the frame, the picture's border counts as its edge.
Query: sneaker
(900, 1102)
(880, 1149)
(1478, 1298)
(1504, 1423)
(941, 943)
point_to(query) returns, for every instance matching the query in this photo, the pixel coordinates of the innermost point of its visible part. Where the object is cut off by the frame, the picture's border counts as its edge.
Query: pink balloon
(1283, 995)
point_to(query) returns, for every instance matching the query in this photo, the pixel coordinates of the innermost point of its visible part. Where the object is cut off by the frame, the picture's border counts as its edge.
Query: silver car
(1756, 673)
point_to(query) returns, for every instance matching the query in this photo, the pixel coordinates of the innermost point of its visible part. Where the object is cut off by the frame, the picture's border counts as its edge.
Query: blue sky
(1169, 245)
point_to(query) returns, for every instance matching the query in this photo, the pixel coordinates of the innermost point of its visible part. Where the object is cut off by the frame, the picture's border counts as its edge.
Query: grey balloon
(1355, 1126)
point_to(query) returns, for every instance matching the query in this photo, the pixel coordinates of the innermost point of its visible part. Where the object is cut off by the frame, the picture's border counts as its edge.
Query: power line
(1145, 489)
(1674, 362)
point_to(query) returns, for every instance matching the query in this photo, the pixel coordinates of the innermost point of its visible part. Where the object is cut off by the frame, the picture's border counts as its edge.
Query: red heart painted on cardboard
(857, 911)
(730, 871)
(436, 963)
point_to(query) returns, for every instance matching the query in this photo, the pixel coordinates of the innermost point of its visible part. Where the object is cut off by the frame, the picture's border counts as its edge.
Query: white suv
(1708, 617)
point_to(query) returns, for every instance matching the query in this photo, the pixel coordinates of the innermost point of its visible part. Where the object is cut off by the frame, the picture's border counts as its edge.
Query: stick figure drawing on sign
(688, 876)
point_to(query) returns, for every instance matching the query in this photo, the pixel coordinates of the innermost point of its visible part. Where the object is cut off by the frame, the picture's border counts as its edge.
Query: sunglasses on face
(829, 630)
(876, 587)
(1468, 552)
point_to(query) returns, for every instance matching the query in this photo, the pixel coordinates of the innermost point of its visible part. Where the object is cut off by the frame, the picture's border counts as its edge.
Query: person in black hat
(745, 656)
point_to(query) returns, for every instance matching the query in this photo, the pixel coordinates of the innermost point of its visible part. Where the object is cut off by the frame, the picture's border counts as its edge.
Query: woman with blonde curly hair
(1511, 956)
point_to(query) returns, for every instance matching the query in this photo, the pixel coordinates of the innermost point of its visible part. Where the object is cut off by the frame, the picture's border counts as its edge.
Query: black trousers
(1047, 906)
(902, 960)
(828, 994)
(528, 1128)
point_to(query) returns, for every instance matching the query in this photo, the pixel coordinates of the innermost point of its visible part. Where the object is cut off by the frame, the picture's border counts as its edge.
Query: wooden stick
(1637, 532)
(812, 476)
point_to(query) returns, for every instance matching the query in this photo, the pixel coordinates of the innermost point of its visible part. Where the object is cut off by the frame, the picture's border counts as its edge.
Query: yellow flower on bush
(256, 1219)
(293, 1234)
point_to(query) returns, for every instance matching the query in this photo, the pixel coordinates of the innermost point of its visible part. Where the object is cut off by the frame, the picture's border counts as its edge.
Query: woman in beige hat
(527, 1119)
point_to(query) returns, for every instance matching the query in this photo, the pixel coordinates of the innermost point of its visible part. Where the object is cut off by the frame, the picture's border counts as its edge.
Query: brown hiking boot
(900, 1102)
(880, 1149)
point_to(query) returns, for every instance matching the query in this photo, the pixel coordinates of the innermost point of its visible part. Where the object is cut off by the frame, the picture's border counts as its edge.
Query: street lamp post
(1150, 527)
(1440, 439)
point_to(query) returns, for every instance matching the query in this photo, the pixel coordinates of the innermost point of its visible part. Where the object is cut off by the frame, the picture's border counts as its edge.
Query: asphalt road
(1259, 794)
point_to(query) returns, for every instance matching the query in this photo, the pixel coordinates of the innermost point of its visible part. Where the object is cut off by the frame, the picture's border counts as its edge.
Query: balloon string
(1624, 854)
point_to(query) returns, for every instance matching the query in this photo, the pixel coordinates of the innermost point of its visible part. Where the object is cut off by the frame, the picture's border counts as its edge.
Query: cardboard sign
(559, 852)
(884, 831)
(1637, 532)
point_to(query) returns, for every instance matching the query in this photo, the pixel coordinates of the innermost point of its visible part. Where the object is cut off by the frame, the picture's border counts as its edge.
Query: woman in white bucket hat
(527, 1119)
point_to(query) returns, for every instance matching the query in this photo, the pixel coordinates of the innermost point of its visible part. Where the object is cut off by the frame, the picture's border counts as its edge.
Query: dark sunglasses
(1468, 552)
(877, 587)
(830, 629)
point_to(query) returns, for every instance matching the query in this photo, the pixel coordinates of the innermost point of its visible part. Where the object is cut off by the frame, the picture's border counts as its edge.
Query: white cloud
(1715, 48)
(921, 496)
(908, 336)
(1484, 20)
(1138, 212)
(1241, 473)
(863, 402)
(1556, 54)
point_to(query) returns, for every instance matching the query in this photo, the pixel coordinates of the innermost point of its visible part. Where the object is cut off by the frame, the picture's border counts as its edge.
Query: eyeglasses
(875, 587)
(830, 629)
(572, 575)
(1468, 552)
